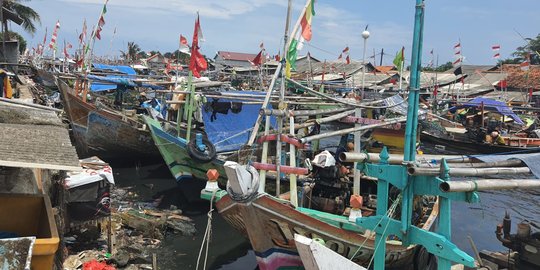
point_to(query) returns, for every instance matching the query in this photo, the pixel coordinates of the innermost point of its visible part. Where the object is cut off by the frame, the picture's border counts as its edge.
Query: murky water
(229, 250)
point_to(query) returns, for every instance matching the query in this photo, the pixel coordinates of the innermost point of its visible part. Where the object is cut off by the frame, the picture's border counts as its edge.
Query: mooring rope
(207, 233)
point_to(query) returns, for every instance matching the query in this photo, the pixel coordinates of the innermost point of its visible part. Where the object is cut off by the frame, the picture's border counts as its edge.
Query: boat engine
(524, 242)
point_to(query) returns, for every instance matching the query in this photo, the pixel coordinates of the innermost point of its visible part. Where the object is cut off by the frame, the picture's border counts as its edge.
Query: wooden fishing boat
(466, 146)
(270, 224)
(182, 159)
(103, 132)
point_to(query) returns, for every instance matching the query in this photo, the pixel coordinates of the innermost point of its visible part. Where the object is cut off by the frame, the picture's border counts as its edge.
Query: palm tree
(131, 53)
(28, 15)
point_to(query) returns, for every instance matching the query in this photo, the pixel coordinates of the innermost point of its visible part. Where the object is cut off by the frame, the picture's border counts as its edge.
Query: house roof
(384, 69)
(155, 57)
(521, 79)
(236, 56)
(34, 138)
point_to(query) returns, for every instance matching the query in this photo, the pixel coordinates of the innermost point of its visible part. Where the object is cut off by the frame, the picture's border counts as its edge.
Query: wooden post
(264, 158)
(154, 261)
(292, 156)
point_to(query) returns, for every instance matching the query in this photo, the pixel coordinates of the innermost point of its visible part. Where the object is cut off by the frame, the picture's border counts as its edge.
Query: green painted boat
(174, 151)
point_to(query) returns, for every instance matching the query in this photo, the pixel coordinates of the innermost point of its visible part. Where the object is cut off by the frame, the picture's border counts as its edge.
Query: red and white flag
(82, 36)
(184, 47)
(52, 44)
(525, 65)
(197, 62)
(257, 61)
(496, 49)
(457, 62)
(66, 47)
(457, 47)
(347, 57)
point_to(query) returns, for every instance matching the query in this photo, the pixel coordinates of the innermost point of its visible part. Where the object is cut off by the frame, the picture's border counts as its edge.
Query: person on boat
(496, 138)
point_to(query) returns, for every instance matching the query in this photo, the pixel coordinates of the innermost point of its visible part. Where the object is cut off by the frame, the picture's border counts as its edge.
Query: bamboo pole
(292, 152)
(468, 171)
(324, 120)
(264, 158)
(488, 184)
(398, 158)
(351, 130)
(301, 112)
(264, 105)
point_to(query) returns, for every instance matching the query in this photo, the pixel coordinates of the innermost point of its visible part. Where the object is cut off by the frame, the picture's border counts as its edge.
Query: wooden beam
(18, 164)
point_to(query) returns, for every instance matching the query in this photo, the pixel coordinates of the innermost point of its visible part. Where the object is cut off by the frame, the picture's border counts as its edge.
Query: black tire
(203, 156)
(423, 260)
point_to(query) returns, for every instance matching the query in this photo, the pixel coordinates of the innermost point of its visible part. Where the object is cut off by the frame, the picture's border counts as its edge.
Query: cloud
(218, 9)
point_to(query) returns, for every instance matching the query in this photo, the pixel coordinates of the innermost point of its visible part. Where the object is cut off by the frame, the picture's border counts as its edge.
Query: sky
(241, 25)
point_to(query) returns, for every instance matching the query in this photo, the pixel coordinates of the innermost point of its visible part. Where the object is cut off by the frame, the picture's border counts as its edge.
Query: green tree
(531, 49)
(444, 67)
(28, 15)
(132, 52)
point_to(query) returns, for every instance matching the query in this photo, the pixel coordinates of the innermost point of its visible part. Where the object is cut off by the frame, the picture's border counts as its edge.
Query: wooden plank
(19, 164)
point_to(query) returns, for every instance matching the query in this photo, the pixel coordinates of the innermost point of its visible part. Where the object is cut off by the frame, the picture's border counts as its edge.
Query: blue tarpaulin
(490, 105)
(112, 79)
(98, 87)
(229, 132)
(123, 69)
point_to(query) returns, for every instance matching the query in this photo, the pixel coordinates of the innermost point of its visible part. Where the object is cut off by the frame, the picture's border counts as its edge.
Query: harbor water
(230, 250)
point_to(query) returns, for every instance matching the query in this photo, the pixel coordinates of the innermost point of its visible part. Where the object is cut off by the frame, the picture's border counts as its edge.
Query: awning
(491, 105)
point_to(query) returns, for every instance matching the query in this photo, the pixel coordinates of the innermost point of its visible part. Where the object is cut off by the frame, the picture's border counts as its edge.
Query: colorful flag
(101, 21)
(52, 44)
(197, 61)
(257, 61)
(184, 47)
(306, 21)
(525, 65)
(496, 53)
(400, 58)
(82, 36)
(292, 54)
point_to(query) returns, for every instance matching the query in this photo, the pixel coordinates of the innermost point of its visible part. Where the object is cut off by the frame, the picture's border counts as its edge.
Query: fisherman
(496, 138)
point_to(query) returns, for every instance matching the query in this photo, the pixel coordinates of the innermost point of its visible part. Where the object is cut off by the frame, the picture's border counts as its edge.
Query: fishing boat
(102, 131)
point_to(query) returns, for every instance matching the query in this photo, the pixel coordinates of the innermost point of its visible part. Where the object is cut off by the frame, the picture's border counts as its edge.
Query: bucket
(31, 215)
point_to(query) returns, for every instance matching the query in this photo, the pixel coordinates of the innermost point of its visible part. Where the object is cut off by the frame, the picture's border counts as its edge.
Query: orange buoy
(212, 175)
(356, 201)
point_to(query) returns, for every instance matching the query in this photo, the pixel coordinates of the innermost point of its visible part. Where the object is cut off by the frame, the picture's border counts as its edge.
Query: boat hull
(273, 223)
(174, 152)
(468, 147)
(105, 134)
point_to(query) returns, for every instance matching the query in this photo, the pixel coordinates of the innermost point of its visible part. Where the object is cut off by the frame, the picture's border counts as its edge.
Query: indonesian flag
(525, 65)
(457, 62)
(277, 57)
(496, 49)
(306, 21)
(82, 36)
(257, 61)
(347, 57)
(66, 54)
(52, 44)
(197, 62)
(184, 47)
(457, 47)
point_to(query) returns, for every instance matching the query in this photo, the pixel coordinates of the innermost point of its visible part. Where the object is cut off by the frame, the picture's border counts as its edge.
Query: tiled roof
(520, 79)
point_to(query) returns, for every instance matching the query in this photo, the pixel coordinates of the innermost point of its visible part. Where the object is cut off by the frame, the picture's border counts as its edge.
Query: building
(225, 60)
(156, 62)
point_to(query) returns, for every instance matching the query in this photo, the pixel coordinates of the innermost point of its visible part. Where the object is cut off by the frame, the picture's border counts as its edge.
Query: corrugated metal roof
(237, 56)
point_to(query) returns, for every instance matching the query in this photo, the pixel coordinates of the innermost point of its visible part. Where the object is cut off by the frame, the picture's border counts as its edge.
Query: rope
(344, 102)
(207, 233)
(389, 212)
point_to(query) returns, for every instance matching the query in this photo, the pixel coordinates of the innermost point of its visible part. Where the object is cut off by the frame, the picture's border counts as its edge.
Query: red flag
(348, 59)
(66, 54)
(497, 56)
(101, 22)
(435, 90)
(257, 61)
(457, 46)
(98, 34)
(496, 47)
(530, 92)
(277, 57)
(52, 44)
(82, 36)
(183, 41)
(525, 65)
(457, 61)
(502, 84)
(197, 62)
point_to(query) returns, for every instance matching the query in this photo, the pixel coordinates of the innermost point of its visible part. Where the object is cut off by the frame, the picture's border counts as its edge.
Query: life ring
(204, 156)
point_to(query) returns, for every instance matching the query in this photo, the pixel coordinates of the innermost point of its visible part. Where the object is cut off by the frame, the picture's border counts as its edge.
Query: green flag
(292, 54)
(398, 61)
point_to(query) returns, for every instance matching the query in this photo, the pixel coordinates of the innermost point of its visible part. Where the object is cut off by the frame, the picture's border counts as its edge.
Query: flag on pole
(496, 53)
(400, 58)
(184, 47)
(52, 44)
(457, 62)
(66, 54)
(82, 36)
(430, 64)
(306, 21)
(525, 65)
(457, 47)
(197, 62)
(257, 61)
(346, 53)
(101, 21)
